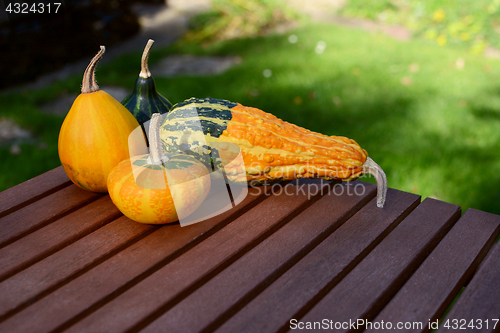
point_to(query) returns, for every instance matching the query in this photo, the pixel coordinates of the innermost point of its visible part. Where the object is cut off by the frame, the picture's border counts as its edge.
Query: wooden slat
(480, 301)
(432, 288)
(32, 190)
(68, 263)
(372, 283)
(186, 273)
(323, 267)
(75, 300)
(55, 236)
(244, 279)
(42, 212)
(46, 275)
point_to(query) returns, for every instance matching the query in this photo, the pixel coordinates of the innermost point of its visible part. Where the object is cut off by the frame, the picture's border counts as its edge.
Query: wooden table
(281, 260)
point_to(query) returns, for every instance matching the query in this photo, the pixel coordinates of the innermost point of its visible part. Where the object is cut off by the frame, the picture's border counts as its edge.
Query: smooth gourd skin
(94, 139)
(145, 100)
(151, 202)
(272, 149)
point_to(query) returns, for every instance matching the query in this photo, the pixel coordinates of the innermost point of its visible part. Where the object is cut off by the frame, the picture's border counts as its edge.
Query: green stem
(145, 73)
(89, 84)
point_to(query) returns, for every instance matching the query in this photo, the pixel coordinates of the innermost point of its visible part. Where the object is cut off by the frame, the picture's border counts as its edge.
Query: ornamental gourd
(94, 135)
(158, 188)
(144, 99)
(272, 149)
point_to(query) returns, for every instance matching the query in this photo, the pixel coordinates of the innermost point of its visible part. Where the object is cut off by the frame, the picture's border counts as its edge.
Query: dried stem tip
(145, 73)
(89, 85)
(372, 168)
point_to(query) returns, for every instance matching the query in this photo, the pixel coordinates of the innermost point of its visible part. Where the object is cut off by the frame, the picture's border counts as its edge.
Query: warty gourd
(272, 149)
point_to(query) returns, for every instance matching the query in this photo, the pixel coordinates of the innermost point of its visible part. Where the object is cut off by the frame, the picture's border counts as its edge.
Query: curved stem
(156, 155)
(372, 168)
(89, 84)
(145, 73)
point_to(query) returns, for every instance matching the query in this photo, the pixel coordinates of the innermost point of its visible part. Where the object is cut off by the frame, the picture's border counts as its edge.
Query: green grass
(473, 24)
(438, 136)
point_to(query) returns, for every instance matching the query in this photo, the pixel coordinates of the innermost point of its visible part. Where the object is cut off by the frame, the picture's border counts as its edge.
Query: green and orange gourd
(94, 135)
(158, 188)
(272, 149)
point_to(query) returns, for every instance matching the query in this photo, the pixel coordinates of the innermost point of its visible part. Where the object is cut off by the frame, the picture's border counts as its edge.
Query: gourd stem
(89, 84)
(145, 73)
(372, 168)
(156, 155)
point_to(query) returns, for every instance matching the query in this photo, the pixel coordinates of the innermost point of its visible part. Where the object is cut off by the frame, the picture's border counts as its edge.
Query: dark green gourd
(144, 99)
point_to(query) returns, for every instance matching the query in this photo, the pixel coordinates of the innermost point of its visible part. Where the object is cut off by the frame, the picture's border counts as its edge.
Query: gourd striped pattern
(272, 149)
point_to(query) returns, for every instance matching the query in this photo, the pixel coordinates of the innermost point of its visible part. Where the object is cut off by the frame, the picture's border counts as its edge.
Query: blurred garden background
(415, 83)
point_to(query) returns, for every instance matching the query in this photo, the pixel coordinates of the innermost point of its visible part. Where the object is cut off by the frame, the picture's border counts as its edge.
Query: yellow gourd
(94, 135)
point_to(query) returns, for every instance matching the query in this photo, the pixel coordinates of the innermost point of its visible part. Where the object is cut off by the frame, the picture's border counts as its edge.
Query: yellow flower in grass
(439, 15)
(441, 40)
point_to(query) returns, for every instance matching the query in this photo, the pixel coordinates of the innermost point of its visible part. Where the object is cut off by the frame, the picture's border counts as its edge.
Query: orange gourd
(94, 135)
(158, 188)
(272, 149)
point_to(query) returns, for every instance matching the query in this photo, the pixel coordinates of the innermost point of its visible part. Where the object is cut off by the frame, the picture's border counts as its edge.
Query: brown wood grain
(193, 268)
(323, 267)
(55, 236)
(42, 212)
(378, 277)
(32, 190)
(39, 279)
(106, 281)
(480, 301)
(433, 287)
(241, 281)
(69, 262)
